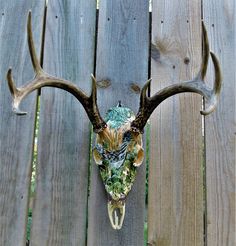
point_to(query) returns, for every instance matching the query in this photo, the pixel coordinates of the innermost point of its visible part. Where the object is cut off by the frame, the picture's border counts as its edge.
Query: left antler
(197, 85)
(42, 80)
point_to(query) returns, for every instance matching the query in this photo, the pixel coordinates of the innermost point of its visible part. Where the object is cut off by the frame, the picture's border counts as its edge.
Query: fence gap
(32, 185)
(33, 182)
(204, 183)
(147, 136)
(147, 160)
(89, 180)
(91, 128)
(204, 187)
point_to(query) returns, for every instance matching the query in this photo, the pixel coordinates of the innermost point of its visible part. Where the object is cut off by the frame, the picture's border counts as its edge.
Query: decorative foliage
(118, 153)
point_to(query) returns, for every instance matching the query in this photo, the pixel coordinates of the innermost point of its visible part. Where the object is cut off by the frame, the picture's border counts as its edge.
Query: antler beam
(42, 79)
(197, 85)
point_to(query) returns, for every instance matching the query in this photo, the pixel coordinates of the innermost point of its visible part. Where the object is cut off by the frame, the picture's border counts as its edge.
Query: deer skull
(118, 150)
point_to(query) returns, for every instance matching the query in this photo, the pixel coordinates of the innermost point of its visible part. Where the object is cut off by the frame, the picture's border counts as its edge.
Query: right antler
(42, 80)
(197, 85)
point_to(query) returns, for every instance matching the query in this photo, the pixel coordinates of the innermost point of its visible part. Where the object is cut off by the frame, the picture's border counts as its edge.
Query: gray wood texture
(219, 17)
(60, 211)
(175, 206)
(122, 59)
(16, 133)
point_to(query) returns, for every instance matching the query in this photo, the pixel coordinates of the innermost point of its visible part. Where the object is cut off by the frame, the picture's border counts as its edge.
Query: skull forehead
(118, 121)
(116, 117)
(112, 139)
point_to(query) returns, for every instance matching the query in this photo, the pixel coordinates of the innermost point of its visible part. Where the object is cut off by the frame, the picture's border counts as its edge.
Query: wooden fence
(191, 198)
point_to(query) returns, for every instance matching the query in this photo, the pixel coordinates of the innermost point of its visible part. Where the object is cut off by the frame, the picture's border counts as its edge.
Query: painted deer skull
(118, 151)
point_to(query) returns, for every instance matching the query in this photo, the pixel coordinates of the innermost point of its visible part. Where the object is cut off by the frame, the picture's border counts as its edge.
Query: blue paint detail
(117, 116)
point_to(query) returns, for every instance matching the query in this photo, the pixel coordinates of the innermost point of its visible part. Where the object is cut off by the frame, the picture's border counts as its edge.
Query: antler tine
(44, 80)
(143, 96)
(98, 123)
(205, 54)
(35, 62)
(213, 99)
(143, 113)
(197, 85)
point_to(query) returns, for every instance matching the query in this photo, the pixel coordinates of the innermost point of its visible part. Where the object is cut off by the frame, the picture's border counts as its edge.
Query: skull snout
(116, 212)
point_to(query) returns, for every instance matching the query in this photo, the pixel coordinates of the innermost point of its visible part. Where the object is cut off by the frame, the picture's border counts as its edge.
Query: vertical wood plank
(59, 215)
(122, 58)
(175, 206)
(16, 133)
(220, 20)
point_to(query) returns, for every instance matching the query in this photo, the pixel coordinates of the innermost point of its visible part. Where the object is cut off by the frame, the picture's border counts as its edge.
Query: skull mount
(118, 152)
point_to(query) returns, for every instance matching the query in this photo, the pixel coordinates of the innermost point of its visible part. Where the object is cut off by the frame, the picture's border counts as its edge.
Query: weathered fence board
(16, 133)
(175, 206)
(60, 212)
(122, 58)
(220, 20)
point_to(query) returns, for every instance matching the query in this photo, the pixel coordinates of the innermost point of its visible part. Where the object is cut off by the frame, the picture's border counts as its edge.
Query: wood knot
(135, 88)
(155, 52)
(105, 83)
(186, 60)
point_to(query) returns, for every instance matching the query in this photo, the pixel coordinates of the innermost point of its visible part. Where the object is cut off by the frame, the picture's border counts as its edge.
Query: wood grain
(219, 17)
(122, 59)
(16, 133)
(60, 212)
(175, 205)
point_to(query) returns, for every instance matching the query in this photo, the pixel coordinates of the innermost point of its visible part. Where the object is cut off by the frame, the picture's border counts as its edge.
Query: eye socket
(102, 168)
(127, 136)
(97, 157)
(140, 157)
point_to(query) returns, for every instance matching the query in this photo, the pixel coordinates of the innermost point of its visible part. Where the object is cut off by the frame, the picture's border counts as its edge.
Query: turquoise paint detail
(118, 116)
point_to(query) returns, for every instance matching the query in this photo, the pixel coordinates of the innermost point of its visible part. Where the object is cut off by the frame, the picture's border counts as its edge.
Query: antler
(197, 85)
(42, 80)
